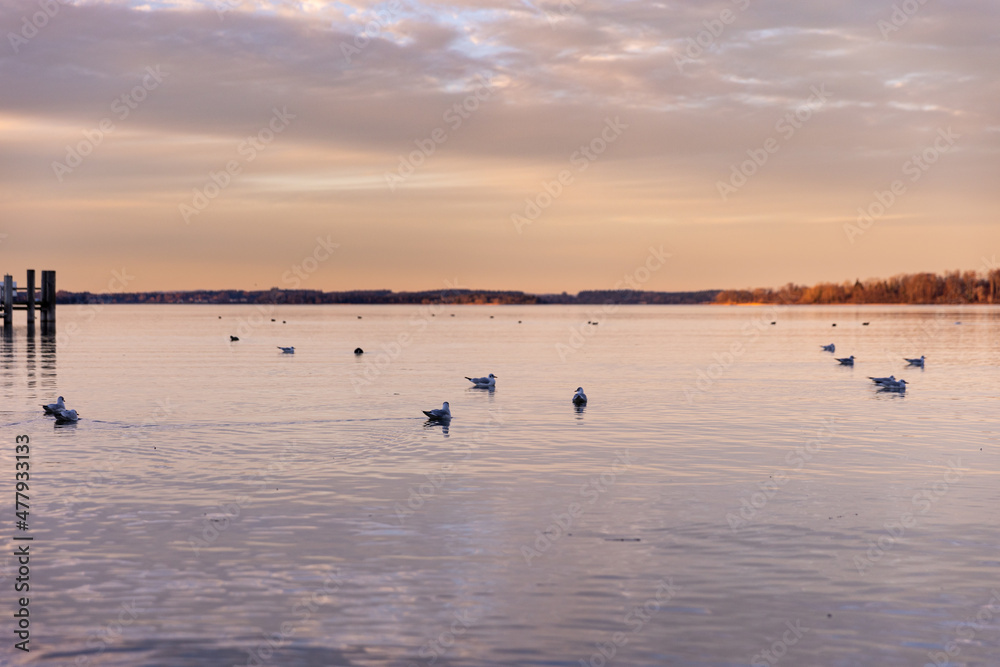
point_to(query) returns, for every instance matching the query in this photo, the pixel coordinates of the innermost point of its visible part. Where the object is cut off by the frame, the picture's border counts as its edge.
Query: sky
(538, 146)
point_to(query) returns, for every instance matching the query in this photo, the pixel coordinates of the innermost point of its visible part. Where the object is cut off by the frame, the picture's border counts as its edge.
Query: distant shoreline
(955, 288)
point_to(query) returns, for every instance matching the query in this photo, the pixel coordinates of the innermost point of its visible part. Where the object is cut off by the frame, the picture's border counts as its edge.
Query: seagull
(484, 383)
(898, 386)
(915, 362)
(287, 350)
(442, 415)
(849, 361)
(829, 348)
(55, 408)
(579, 398)
(889, 380)
(66, 416)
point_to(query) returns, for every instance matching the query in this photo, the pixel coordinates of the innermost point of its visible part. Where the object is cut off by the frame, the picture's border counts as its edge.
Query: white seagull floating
(444, 414)
(287, 350)
(66, 417)
(849, 361)
(888, 380)
(484, 383)
(54, 408)
(579, 398)
(916, 362)
(829, 348)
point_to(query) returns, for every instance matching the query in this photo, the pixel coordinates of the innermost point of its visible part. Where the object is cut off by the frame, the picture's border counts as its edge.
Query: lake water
(729, 496)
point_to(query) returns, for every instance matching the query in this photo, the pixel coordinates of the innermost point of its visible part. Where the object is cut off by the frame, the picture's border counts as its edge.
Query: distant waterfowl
(579, 398)
(358, 350)
(849, 361)
(272, 319)
(916, 362)
(287, 350)
(444, 414)
(897, 386)
(864, 324)
(233, 338)
(834, 324)
(888, 380)
(829, 348)
(53, 408)
(486, 382)
(773, 323)
(66, 416)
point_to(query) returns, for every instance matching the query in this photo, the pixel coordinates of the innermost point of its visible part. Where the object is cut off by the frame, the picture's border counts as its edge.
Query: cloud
(558, 69)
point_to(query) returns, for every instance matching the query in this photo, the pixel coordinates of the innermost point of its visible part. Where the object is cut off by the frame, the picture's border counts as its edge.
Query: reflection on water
(728, 496)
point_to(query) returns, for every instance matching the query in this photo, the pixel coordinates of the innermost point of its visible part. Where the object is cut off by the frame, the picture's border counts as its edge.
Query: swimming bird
(483, 383)
(54, 408)
(233, 338)
(287, 350)
(829, 348)
(888, 380)
(444, 414)
(897, 386)
(358, 350)
(916, 362)
(66, 416)
(849, 361)
(864, 324)
(579, 398)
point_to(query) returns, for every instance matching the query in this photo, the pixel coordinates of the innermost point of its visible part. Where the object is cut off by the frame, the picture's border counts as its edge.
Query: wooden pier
(29, 301)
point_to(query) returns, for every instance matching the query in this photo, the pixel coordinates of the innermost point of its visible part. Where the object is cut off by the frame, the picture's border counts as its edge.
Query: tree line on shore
(957, 287)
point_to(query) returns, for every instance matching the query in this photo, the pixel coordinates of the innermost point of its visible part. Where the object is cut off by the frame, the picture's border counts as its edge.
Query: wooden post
(48, 302)
(31, 299)
(52, 298)
(8, 301)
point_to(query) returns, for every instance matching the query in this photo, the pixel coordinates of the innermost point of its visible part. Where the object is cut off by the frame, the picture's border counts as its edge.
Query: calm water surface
(728, 491)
